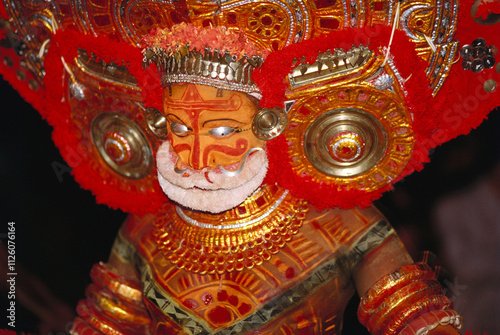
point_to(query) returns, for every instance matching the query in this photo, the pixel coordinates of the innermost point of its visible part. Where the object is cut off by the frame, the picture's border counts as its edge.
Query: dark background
(61, 232)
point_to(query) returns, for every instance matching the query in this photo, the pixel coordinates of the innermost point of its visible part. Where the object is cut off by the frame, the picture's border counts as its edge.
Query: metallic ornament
(357, 138)
(33, 84)
(383, 82)
(122, 145)
(330, 64)
(21, 75)
(467, 64)
(490, 20)
(7, 61)
(157, 123)
(288, 105)
(213, 68)
(489, 62)
(479, 56)
(269, 123)
(346, 147)
(117, 148)
(477, 66)
(478, 42)
(478, 52)
(466, 51)
(77, 91)
(110, 72)
(490, 86)
(345, 142)
(218, 244)
(491, 50)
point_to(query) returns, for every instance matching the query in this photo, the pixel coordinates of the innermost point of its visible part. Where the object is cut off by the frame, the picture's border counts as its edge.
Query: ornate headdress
(369, 87)
(216, 57)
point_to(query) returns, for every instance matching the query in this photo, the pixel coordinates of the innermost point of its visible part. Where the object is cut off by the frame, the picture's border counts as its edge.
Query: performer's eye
(221, 132)
(179, 129)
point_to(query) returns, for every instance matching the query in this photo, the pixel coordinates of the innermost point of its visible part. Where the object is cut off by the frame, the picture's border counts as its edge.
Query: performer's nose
(195, 155)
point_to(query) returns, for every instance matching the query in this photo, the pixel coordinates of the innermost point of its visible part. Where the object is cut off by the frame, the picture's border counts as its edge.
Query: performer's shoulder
(345, 224)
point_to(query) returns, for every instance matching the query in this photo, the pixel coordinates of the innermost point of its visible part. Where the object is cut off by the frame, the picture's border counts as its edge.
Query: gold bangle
(98, 322)
(409, 295)
(79, 326)
(389, 284)
(429, 321)
(411, 312)
(126, 289)
(115, 308)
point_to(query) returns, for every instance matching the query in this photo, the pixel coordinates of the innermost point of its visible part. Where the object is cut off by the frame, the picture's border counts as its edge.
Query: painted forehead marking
(193, 103)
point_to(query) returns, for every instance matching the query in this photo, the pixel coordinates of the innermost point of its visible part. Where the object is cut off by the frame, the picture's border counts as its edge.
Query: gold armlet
(96, 320)
(81, 327)
(126, 290)
(400, 297)
(113, 306)
(117, 309)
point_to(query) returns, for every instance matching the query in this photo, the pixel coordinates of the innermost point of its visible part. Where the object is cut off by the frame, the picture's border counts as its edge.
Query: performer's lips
(199, 188)
(204, 189)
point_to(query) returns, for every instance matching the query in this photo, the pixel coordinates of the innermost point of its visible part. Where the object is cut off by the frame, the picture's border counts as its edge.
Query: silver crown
(213, 68)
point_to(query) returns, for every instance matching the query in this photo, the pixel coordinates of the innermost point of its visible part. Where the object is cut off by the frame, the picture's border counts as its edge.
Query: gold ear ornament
(122, 145)
(269, 123)
(157, 123)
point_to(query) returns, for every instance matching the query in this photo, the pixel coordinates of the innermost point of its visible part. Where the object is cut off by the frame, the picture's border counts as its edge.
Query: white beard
(209, 190)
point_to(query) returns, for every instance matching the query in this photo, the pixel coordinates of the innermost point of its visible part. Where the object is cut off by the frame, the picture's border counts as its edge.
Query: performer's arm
(401, 297)
(113, 303)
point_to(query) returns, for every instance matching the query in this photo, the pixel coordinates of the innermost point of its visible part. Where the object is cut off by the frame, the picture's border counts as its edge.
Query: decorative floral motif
(478, 55)
(220, 38)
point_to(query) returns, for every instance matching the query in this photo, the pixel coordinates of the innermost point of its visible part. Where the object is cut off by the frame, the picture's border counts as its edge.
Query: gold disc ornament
(269, 123)
(345, 142)
(358, 137)
(122, 145)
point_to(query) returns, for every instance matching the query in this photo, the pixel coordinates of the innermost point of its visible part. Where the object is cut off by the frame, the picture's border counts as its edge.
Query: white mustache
(225, 171)
(210, 190)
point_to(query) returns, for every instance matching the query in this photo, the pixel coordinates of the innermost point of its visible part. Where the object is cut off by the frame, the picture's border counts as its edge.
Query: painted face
(212, 161)
(209, 127)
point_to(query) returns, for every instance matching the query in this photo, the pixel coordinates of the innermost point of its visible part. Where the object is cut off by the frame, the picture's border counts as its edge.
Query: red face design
(209, 127)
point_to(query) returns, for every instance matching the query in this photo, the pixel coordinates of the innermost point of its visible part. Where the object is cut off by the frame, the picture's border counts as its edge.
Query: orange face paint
(209, 127)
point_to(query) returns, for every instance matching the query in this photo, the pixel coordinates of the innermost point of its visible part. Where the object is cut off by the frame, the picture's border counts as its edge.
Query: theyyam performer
(247, 140)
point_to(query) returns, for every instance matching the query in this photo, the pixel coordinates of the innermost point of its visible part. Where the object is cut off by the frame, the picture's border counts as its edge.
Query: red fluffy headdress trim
(110, 190)
(50, 99)
(463, 97)
(270, 79)
(460, 106)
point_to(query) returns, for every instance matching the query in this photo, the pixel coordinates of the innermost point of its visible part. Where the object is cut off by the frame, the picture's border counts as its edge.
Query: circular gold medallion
(355, 138)
(122, 145)
(345, 142)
